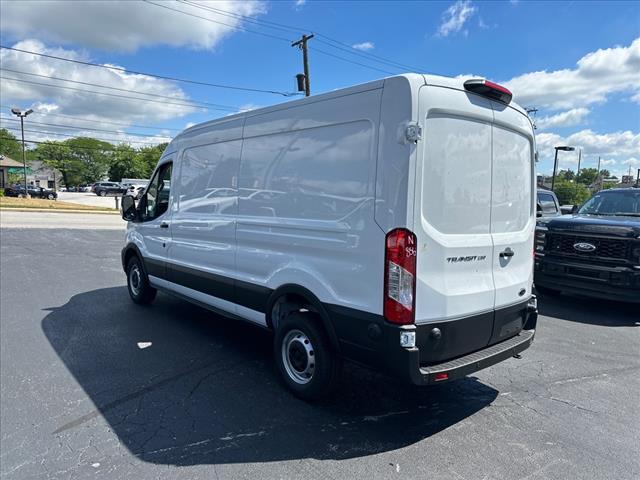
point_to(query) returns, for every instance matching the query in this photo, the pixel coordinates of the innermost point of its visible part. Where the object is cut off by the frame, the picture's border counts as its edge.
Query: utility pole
(302, 45)
(598, 179)
(579, 160)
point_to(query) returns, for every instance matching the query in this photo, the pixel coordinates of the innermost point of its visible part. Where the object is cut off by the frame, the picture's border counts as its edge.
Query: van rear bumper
(467, 364)
(376, 344)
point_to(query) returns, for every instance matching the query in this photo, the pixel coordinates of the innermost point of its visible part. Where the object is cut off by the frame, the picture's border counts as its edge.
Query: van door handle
(507, 253)
(164, 225)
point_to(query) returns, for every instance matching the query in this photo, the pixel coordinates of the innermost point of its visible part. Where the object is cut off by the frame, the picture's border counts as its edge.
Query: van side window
(547, 203)
(157, 194)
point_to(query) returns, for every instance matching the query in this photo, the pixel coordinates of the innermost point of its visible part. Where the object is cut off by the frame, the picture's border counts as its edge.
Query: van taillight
(400, 276)
(489, 89)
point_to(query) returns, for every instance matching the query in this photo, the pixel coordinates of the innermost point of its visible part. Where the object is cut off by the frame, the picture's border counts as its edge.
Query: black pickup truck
(595, 251)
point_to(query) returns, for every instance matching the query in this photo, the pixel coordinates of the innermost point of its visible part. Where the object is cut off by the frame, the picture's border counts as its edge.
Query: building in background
(10, 170)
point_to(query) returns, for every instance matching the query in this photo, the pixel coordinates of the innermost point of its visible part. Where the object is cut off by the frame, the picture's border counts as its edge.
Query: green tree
(604, 173)
(567, 174)
(570, 193)
(10, 145)
(93, 155)
(58, 155)
(587, 176)
(126, 162)
(149, 157)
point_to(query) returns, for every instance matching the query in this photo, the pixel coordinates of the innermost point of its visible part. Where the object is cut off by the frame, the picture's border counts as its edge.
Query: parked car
(34, 192)
(107, 188)
(389, 223)
(547, 206)
(594, 252)
(135, 190)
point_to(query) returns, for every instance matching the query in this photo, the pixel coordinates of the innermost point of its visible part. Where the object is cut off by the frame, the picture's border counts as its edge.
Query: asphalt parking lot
(95, 386)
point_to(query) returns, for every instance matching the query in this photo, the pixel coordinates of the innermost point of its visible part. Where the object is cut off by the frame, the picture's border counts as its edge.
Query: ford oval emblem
(584, 247)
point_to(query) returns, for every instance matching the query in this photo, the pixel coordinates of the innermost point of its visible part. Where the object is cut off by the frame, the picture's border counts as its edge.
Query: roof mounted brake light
(488, 89)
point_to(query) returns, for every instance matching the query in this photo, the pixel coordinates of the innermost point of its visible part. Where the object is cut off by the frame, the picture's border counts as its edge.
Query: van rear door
(453, 219)
(512, 213)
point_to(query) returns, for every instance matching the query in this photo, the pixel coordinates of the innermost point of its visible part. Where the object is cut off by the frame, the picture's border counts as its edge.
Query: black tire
(102, 193)
(307, 364)
(547, 291)
(140, 291)
(50, 196)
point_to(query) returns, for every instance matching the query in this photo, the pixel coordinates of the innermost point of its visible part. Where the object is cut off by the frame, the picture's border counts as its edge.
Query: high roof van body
(390, 223)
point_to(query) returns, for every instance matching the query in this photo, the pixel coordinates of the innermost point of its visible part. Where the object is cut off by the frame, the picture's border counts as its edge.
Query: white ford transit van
(389, 223)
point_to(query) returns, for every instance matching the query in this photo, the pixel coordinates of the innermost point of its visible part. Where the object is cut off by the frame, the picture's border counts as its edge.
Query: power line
(233, 27)
(212, 105)
(58, 125)
(323, 52)
(328, 40)
(117, 140)
(127, 125)
(126, 97)
(155, 75)
(246, 18)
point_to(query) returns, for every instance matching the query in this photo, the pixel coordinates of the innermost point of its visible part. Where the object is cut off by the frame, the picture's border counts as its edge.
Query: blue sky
(577, 62)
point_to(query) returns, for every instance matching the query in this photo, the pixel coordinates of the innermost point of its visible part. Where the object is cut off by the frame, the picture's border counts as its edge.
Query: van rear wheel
(140, 291)
(306, 362)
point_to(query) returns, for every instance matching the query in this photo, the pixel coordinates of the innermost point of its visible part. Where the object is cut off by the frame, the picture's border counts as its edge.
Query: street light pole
(21, 114)
(564, 148)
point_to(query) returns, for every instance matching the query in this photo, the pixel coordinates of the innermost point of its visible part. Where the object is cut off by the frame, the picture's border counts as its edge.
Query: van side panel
(306, 203)
(395, 181)
(201, 256)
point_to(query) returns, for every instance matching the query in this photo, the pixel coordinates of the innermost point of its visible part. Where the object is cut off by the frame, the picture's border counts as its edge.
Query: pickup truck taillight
(400, 276)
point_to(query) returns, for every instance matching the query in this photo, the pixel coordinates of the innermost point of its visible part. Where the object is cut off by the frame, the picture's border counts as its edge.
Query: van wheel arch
(130, 252)
(298, 298)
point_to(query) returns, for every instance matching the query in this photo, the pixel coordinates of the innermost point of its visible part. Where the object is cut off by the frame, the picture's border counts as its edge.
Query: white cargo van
(389, 223)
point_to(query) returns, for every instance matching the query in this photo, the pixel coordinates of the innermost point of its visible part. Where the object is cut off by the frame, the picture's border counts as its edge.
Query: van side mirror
(538, 210)
(129, 211)
(574, 209)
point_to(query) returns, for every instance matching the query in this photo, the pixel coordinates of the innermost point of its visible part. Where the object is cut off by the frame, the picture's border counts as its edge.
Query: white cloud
(53, 104)
(364, 46)
(615, 148)
(454, 17)
(606, 163)
(572, 117)
(596, 76)
(622, 143)
(122, 25)
(632, 161)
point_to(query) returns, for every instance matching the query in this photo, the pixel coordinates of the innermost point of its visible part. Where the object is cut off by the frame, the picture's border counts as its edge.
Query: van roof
(414, 79)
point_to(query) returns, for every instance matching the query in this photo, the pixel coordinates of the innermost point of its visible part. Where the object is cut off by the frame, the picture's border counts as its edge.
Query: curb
(57, 210)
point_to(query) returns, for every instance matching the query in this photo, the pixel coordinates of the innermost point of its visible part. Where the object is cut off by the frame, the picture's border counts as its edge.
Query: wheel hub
(298, 357)
(135, 280)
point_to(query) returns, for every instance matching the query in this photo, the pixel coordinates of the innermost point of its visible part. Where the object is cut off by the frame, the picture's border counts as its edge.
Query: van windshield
(623, 203)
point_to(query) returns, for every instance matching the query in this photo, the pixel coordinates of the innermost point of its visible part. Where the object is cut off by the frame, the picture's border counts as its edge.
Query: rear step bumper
(473, 362)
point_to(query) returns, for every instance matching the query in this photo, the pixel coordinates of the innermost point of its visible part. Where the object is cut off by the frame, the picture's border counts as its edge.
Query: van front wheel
(307, 364)
(140, 291)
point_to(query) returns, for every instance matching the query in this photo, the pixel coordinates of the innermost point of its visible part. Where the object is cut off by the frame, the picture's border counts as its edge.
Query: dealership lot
(94, 385)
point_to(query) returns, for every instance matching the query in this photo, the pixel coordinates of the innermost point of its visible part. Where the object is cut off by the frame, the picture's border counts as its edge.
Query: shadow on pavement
(589, 310)
(179, 385)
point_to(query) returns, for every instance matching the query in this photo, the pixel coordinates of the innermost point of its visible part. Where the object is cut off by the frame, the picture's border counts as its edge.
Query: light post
(19, 113)
(564, 148)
